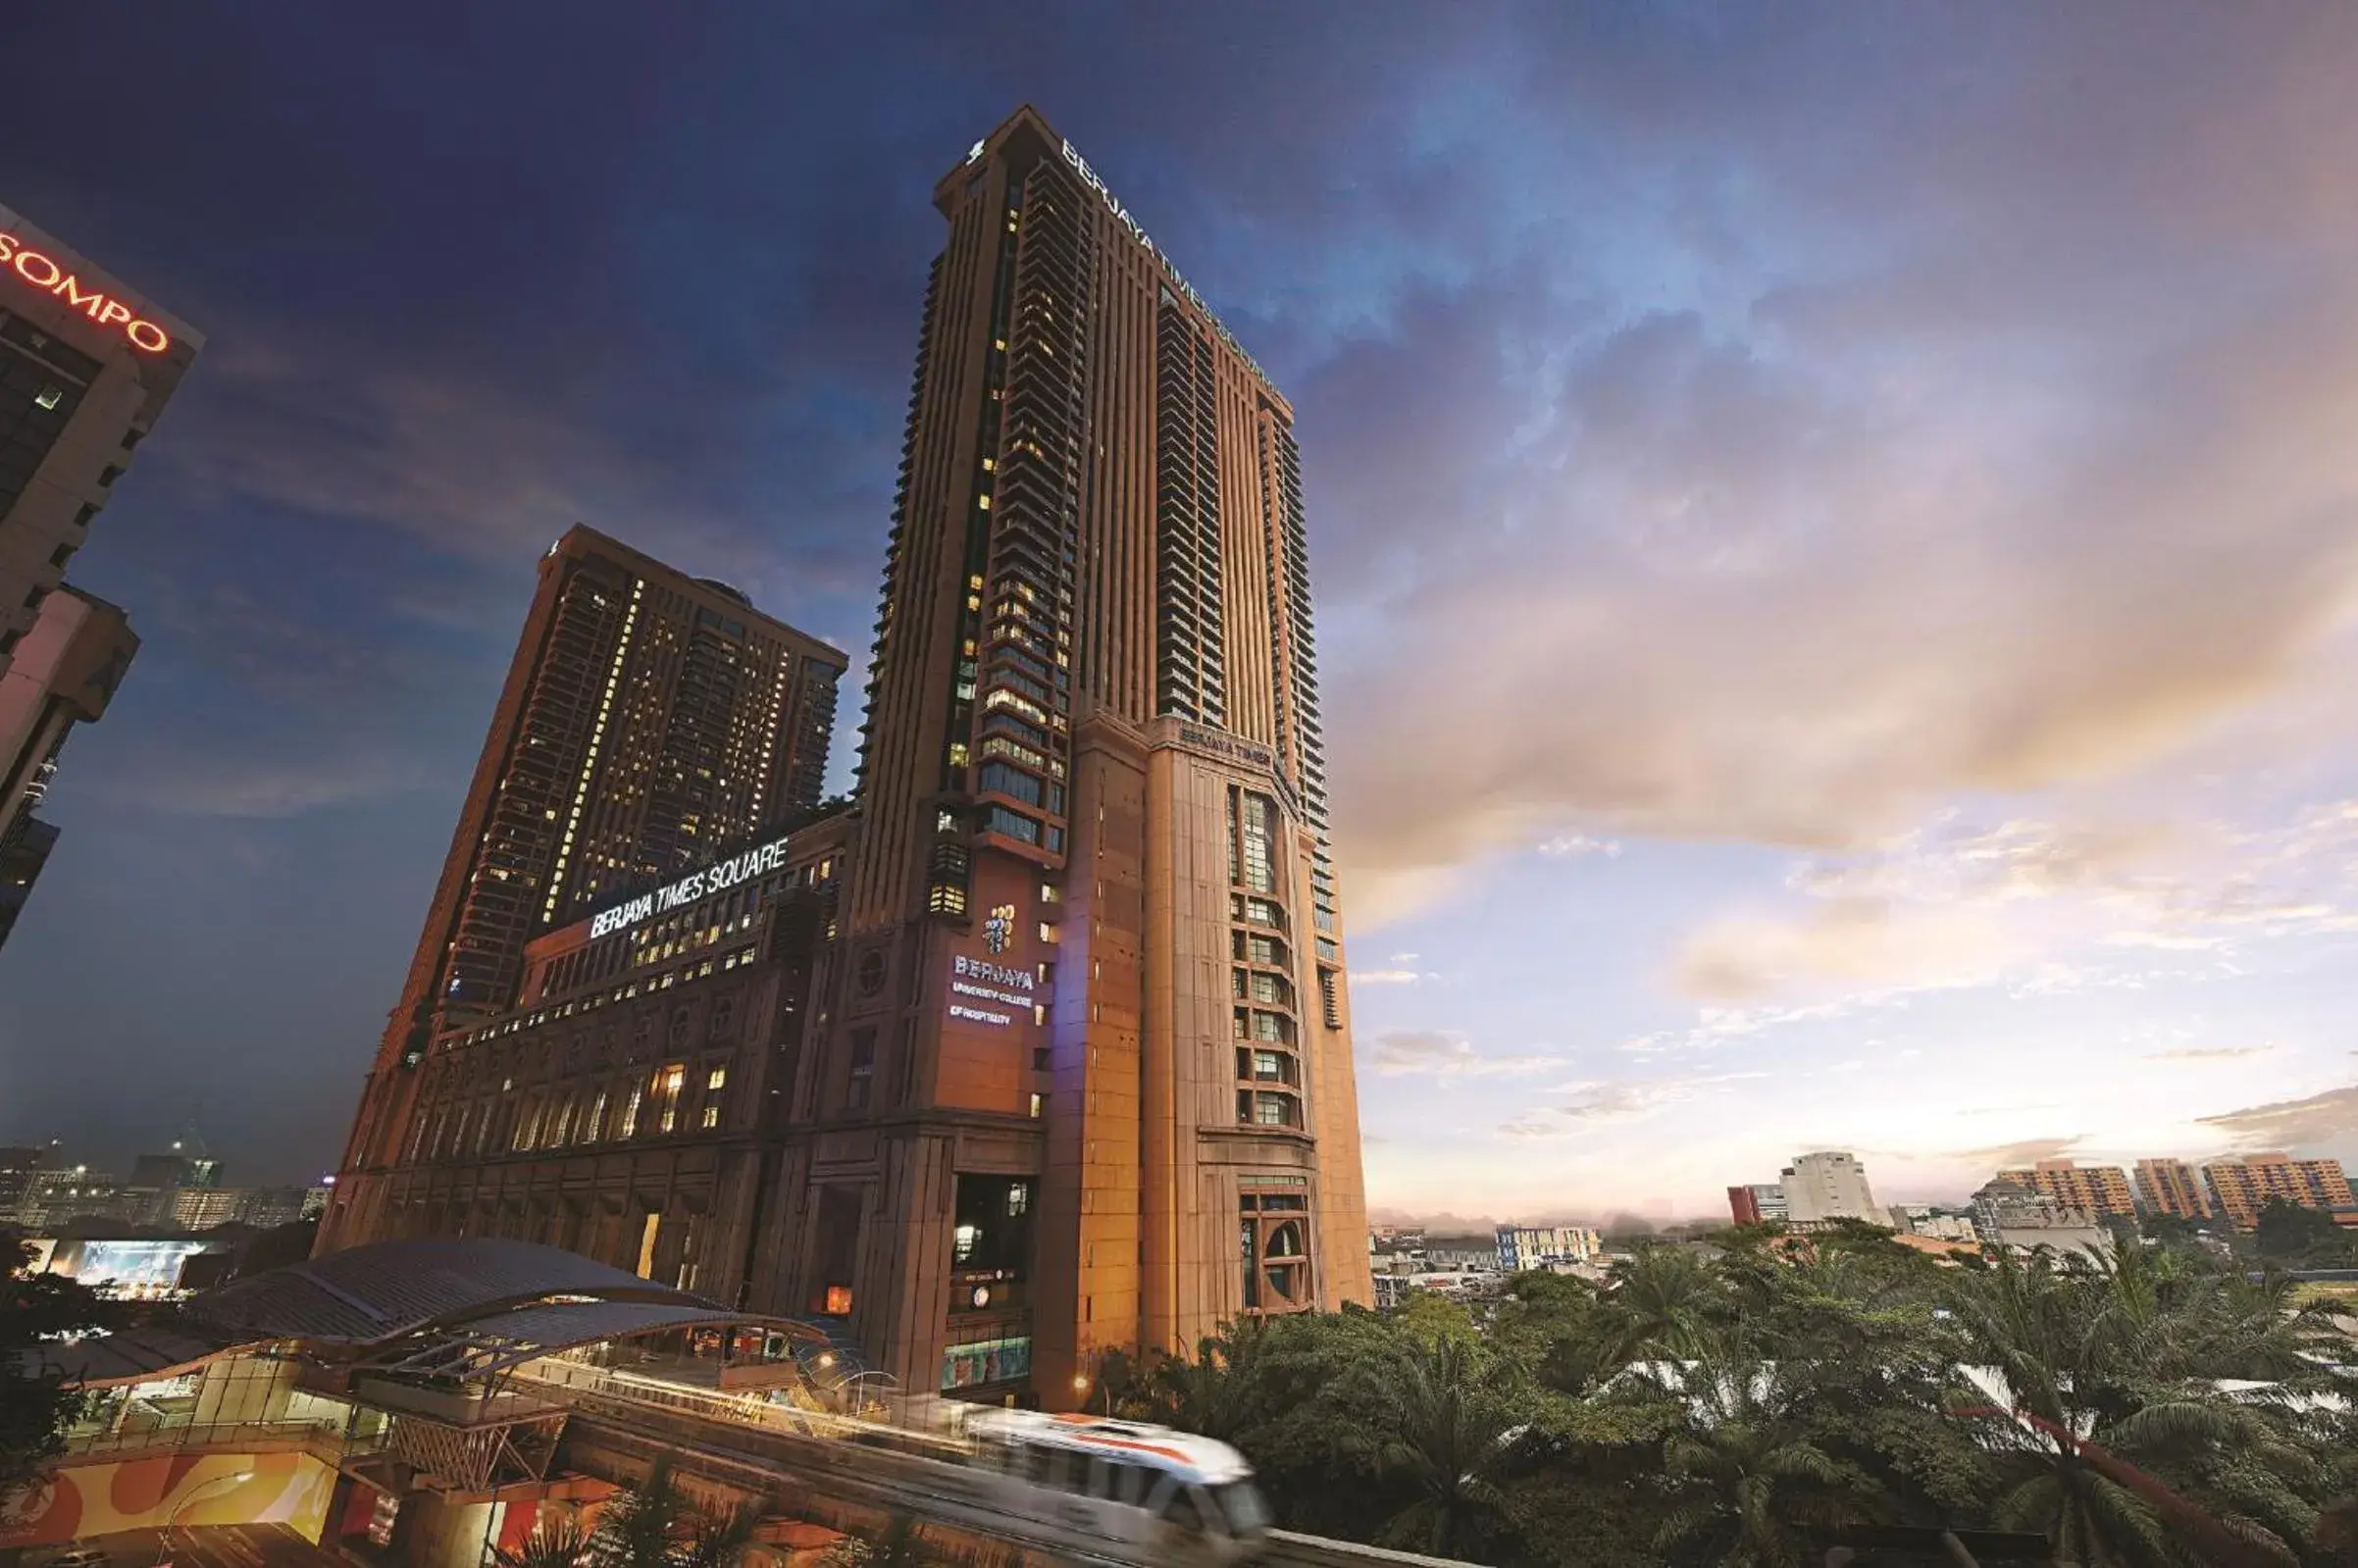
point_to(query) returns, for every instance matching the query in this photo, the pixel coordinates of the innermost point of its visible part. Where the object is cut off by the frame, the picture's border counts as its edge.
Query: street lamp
(164, 1535)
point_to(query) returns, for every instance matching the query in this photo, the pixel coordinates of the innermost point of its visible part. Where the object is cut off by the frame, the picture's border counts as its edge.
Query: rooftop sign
(717, 878)
(39, 270)
(1088, 175)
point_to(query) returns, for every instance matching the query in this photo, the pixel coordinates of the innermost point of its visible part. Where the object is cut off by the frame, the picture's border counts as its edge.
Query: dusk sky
(1835, 528)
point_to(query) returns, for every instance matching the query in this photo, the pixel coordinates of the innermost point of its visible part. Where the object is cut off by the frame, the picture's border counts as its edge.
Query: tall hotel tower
(650, 720)
(1086, 1078)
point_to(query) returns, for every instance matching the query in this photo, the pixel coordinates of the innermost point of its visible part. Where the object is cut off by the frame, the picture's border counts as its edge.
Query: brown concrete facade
(648, 719)
(1092, 673)
(635, 1103)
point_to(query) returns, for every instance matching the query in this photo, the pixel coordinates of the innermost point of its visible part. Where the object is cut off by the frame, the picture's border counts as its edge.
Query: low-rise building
(1757, 1203)
(1933, 1224)
(2021, 1220)
(1523, 1248)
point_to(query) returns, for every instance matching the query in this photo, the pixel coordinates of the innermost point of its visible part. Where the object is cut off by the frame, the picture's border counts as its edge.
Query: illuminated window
(49, 397)
(1039, 1105)
(716, 1079)
(712, 1116)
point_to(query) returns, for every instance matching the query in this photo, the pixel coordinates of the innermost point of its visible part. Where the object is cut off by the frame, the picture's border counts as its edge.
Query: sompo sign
(43, 272)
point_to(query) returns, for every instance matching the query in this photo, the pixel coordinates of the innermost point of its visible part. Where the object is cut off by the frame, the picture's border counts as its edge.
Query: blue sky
(1833, 532)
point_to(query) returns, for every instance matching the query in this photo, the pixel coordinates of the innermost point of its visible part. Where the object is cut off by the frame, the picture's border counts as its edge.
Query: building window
(999, 778)
(1039, 1105)
(712, 1115)
(1254, 824)
(864, 1070)
(48, 397)
(1010, 825)
(1275, 1110)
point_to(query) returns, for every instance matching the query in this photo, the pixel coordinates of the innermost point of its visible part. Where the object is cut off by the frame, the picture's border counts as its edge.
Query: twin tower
(1041, 1048)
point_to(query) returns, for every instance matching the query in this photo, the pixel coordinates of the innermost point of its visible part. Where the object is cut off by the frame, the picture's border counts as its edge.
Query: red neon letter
(116, 310)
(161, 342)
(26, 273)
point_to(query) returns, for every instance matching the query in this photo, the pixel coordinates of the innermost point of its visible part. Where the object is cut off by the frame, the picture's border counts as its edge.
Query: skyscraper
(649, 720)
(85, 369)
(1086, 1071)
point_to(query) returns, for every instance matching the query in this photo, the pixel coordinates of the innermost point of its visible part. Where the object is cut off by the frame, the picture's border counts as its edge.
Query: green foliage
(893, 1545)
(2295, 1236)
(1739, 1401)
(35, 1411)
(561, 1546)
(654, 1525)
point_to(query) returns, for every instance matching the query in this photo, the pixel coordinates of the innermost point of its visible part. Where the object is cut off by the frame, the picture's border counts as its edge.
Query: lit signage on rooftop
(43, 272)
(1080, 165)
(713, 878)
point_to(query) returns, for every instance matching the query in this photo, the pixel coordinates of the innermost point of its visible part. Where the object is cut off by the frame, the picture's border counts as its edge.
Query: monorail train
(1152, 1494)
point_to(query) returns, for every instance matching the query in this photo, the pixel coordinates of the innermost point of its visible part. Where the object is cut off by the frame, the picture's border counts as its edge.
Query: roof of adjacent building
(372, 1293)
(465, 1306)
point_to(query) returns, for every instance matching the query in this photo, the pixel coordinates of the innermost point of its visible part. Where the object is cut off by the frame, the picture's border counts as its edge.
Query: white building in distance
(1829, 1185)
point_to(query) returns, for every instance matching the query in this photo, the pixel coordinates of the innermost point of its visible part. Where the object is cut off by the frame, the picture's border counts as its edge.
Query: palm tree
(562, 1545)
(897, 1544)
(1451, 1442)
(1749, 1486)
(2115, 1435)
(1666, 1298)
(717, 1543)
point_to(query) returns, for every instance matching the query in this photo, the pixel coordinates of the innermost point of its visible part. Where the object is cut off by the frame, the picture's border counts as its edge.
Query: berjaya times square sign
(713, 878)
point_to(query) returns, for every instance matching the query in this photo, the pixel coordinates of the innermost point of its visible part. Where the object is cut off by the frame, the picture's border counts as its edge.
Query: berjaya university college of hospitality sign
(984, 980)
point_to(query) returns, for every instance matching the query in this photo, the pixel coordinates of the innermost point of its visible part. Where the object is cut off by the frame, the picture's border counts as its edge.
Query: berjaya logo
(993, 973)
(43, 272)
(1000, 929)
(696, 885)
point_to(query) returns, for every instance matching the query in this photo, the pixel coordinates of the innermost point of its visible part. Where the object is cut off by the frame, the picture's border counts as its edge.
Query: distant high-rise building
(2097, 1190)
(2242, 1188)
(1828, 1186)
(2174, 1188)
(649, 720)
(85, 369)
(1758, 1203)
(17, 1168)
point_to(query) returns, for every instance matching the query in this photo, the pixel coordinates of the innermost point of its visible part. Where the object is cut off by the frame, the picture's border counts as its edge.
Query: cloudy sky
(1837, 531)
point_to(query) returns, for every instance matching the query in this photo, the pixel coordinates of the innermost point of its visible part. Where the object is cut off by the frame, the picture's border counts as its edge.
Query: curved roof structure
(465, 1308)
(369, 1294)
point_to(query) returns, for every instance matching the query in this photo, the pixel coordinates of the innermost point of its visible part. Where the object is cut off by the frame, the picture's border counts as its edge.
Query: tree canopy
(1747, 1401)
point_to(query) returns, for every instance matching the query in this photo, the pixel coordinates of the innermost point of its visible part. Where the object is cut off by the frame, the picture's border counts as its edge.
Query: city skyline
(1789, 688)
